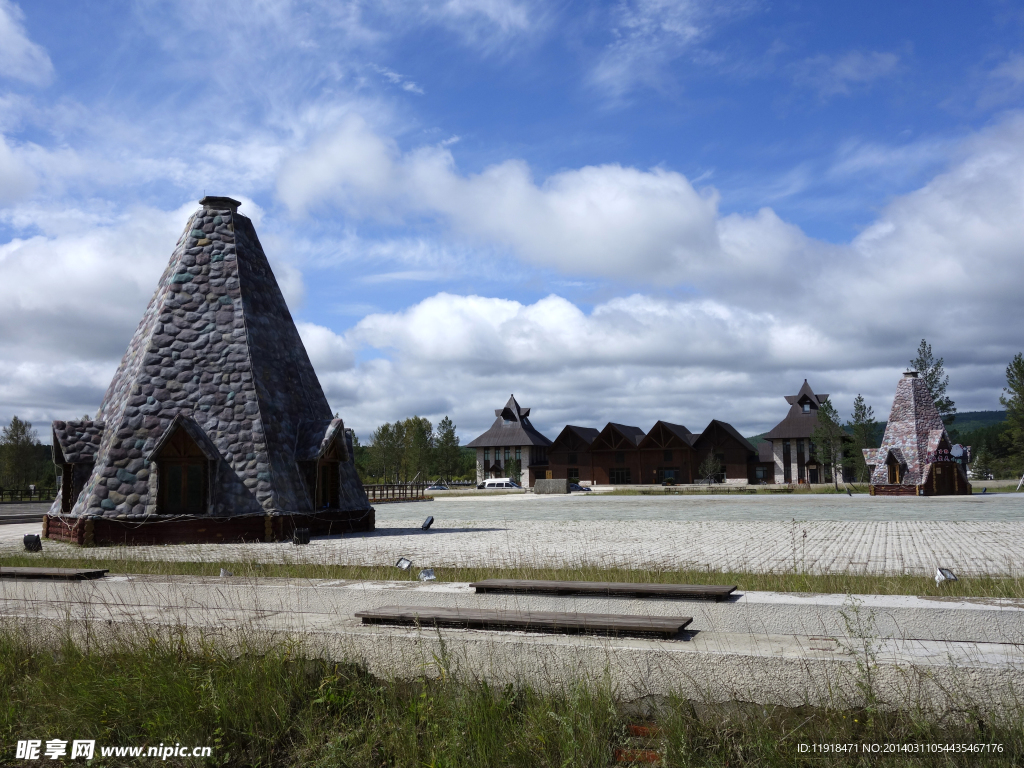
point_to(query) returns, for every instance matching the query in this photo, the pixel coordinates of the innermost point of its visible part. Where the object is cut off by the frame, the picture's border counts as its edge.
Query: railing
(38, 494)
(395, 492)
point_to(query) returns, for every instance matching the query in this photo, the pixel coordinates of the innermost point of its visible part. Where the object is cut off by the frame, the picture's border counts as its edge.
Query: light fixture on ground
(300, 536)
(403, 563)
(34, 544)
(427, 574)
(944, 574)
(428, 522)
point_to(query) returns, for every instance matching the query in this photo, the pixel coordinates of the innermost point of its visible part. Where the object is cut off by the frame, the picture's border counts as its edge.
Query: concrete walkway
(912, 547)
(771, 648)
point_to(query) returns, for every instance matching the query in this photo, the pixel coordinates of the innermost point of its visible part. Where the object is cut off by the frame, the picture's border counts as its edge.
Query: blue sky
(621, 211)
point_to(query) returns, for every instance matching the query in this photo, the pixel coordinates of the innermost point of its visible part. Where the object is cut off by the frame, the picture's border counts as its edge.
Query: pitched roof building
(916, 456)
(791, 439)
(215, 426)
(511, 438)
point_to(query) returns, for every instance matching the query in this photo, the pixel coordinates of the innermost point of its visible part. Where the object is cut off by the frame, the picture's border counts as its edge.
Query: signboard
(958, 454)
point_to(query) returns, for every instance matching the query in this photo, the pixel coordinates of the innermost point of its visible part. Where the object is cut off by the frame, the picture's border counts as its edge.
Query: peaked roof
(798, 424)
(511, 428)
(571, 436)
(729, 429)
(677, 431)
(912, 434)
(217, 353)
(613, 433)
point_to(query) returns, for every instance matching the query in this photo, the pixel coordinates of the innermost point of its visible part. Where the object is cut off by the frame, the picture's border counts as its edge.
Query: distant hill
(965, 422)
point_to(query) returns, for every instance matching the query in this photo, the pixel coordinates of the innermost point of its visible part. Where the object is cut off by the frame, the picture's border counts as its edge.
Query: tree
(418, 448)
(1012, 400)
(981, 462)
(386, 451)
(446, 448)
(709, 467)
(828, 437)
(864, 428)
(18, 443)
(514, 470)
(935, 379)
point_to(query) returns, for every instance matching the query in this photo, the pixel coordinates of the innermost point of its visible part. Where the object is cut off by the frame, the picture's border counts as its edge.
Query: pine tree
(935, 378)
(17, 454)
(1012, 400)
(446, 446)
(828, 437)
(981, 462)
(864, 428)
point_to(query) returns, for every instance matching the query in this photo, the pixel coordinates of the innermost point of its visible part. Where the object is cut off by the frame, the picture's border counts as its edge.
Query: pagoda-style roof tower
(215, 426)
(916, 457)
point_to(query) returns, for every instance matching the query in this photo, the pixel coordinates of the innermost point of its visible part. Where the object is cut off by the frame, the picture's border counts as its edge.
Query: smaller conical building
(916, 457)
(215, 427)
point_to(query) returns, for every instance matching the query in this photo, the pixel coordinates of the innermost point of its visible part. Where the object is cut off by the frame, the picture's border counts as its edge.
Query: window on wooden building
(620, 457)
(573, 458)
(184, 475)
(573, 473)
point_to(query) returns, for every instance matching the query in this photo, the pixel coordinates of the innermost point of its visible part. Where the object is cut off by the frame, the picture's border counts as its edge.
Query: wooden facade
(667, 453)
(569, 456)
(625, 455)
(615, 455)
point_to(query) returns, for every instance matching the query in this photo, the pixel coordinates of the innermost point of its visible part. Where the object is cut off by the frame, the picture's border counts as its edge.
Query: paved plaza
(817, 534)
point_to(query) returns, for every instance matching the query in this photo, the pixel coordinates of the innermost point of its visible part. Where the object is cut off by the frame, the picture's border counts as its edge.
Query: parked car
(436, 487)
(577, 487)
(499, 482)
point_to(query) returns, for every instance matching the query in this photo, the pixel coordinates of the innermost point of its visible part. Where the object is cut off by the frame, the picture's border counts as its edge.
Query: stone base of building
(925, 489)
(102, 531)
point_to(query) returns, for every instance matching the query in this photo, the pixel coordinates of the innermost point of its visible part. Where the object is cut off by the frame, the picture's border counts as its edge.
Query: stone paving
(972, 546)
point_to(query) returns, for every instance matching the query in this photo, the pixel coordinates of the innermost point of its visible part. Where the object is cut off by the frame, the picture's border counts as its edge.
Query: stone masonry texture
(216, 352)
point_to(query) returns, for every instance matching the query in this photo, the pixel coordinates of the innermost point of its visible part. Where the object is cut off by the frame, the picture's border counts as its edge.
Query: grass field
(282, 705)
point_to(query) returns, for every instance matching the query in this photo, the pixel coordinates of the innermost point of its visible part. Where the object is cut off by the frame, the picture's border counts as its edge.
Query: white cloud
(400, 80)
(16, 179)
(648, 35)
(839, 75)
(606, 220)
(20, 58)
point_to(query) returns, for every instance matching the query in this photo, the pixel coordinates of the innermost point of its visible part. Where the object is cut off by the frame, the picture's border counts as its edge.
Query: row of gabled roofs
(512, 427)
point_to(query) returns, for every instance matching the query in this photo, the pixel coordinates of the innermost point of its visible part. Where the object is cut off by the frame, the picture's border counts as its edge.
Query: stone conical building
(215, 426)
(916, 457)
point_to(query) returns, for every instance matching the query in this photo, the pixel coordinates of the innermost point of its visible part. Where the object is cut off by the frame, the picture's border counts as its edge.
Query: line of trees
(413, 449)
(23, 461)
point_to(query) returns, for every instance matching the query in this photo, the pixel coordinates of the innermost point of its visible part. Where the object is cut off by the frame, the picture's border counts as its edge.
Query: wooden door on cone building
(183, 476)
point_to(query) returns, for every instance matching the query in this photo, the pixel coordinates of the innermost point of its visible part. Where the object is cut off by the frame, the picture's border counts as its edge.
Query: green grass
(283, 705)
(782, 581)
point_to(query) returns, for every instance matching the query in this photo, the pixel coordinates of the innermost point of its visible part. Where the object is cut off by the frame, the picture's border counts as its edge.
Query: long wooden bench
(602, 588)
(531, 621)
(67, 574)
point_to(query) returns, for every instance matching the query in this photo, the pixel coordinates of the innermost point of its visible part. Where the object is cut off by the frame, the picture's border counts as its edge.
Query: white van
(500, 482)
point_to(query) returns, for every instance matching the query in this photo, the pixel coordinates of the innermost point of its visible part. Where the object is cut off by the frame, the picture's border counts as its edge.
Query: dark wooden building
(615, 455)
(625, 455)
(667, 453)
(569, 455)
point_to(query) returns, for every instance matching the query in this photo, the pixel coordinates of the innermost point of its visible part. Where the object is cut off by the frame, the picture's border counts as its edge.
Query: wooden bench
(66, 574)
(530, 621)
(602, 588)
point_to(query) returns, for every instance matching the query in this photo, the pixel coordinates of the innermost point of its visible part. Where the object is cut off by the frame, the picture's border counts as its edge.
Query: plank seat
(66, 574)
(603, 588)
(530, 621)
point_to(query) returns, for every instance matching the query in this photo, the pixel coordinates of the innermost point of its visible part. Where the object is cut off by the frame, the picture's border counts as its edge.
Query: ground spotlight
(944, 574)
(34, 544)
(428, 522)
(427, 574)
(403, 563)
